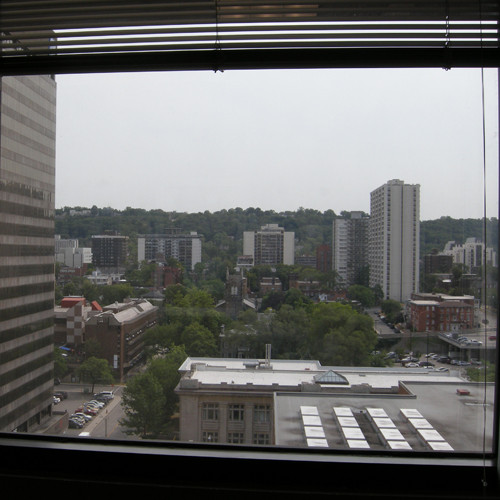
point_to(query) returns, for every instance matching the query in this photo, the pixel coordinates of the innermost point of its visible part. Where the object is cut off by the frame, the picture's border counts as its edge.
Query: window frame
(34, 460)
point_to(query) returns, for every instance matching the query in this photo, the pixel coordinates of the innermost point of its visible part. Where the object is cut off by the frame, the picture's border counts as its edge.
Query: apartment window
(210, 437)
(210, 411)
(236, 413)
(235, 437)
(261, 438)
(262, 414)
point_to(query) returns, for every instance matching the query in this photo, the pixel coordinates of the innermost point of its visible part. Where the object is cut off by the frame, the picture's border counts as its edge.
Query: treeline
(222, 231)
(434, 234)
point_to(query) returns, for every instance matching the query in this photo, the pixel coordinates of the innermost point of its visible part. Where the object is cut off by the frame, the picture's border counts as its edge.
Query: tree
(166, 370)
(143, 401)
(149, 399)
(95, 370)
(60, 364)
(362, 294)
(199, 340)
(392, 310)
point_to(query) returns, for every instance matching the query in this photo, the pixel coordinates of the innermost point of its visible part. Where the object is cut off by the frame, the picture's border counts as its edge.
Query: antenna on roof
(268, 355)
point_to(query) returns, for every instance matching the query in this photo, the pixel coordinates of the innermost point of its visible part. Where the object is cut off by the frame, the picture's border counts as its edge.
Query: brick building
(120, 329)
(441, 313)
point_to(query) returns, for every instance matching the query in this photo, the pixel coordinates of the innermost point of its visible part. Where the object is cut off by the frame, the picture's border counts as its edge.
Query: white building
(471, 254)
(186, 248)
(68, 253)
(394, 239)
(270, 245)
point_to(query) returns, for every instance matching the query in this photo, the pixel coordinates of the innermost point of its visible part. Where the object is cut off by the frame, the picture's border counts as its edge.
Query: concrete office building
(186, 248)
(350, 247)
(270, 245)
(394, 239)
(109, 252)
(27, 185)
(70, 254)
(301, 403)
(119, 329)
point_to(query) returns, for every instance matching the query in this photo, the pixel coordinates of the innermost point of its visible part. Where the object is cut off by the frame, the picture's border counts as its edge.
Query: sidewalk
(101, 415)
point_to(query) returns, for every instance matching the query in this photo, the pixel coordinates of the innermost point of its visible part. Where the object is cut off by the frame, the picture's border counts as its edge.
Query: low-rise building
(300, 403)
(70, 317)
(441, 313)
(119, 329)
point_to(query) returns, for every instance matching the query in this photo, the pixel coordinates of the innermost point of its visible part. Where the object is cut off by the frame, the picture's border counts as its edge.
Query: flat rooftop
(456, 421)
(290, 373)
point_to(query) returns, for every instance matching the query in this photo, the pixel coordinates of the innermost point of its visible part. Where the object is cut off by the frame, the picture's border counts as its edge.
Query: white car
(412, 365)
(84, 416)
(99, 404)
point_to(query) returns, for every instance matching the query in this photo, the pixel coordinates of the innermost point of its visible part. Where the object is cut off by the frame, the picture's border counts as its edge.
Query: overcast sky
(281, 140)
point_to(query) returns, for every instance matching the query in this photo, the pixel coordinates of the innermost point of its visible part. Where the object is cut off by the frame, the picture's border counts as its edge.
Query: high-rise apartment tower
(186, 248)
(350, 248)
(270, 245)
(394, 239)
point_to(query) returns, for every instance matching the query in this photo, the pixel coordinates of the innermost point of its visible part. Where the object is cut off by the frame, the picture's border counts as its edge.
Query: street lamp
(427, 335)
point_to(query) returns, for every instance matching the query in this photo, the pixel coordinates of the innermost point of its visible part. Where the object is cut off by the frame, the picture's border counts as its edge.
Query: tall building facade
(350, 247)
(394, 239)
(324, 258)
(271, 245)
(27, 187)
(110, 251)
(186, 248)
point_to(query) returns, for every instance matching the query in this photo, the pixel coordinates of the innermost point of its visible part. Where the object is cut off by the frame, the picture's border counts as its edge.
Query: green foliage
(199, 340)
(96, 371)
(143, 401)
(60, 364)
(484, 373)
(149, 399)
(363, 294)
(392, 310)
(342, 336)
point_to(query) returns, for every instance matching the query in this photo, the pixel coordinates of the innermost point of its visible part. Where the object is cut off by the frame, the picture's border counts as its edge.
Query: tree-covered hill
(434, 234)
(222, 231)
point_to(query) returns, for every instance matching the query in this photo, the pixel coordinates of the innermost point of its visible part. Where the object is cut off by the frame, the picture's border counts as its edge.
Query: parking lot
(76, 400)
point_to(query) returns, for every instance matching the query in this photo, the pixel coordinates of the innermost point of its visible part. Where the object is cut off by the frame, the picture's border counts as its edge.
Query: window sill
(225, 469)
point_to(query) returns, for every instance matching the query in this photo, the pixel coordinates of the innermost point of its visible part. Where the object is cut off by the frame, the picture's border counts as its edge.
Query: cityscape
(302, 329)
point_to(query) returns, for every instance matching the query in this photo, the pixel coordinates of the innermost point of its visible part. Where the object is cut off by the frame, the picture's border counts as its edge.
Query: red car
(87, 411)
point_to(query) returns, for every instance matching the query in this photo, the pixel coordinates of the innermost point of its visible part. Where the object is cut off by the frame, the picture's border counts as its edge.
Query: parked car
(91, 407)
(410, 359)
(444, 359)
(78, 418)
(99, 404)
(442, 369)
(61, 395)
(426, 363)
(104, 396)
(87, 418)
(74, 424)
(55, 400)
(87, 411)
(412, 365)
